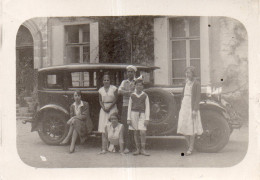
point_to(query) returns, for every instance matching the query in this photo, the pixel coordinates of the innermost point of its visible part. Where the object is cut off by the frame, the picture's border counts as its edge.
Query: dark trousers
(128, 134)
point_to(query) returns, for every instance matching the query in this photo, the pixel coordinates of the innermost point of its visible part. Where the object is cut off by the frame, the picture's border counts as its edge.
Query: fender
(53, 106)
(37, 118)
(213, 105)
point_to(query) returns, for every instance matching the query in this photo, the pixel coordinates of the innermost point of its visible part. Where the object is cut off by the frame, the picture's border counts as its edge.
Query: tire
(163, 116)
(216, 132)
(54, 127)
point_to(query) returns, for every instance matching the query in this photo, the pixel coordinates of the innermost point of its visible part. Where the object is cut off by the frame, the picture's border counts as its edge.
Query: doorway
(24, 62)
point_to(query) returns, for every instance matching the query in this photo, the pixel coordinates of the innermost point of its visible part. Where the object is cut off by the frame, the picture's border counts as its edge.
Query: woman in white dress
(107, 99)
(189, 123)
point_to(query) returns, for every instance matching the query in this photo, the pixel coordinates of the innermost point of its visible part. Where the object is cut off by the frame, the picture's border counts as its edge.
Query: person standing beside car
(126, 88)
(80, 122)
(107, 100)
(138, 116)
(189, 123)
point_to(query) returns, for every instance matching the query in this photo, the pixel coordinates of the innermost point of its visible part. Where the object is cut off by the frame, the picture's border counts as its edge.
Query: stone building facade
(216, 46)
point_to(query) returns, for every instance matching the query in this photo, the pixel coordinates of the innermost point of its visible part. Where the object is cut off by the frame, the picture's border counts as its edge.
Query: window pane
(146, 76)
(86, 54)
(194, 26)
(51, 79)
(86, 79)
(75, 84)
(178, 49)
(73, 54)
(75, 76)
(86, 84)
(178, 68)
(195, 48)
(196, 64)
(95, 78)
(73, 34)
(178, 27)
(86, 33)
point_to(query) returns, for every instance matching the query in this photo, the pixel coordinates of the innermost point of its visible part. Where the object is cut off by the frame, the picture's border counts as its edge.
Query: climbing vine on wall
(126, 39)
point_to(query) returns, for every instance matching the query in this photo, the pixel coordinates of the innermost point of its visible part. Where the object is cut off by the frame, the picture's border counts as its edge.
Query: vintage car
(57, 84)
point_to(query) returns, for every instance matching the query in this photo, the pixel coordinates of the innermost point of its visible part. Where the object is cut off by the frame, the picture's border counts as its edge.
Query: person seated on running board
(80, 122)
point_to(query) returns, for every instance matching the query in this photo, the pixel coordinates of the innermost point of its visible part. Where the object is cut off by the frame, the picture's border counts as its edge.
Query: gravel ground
(164, 153)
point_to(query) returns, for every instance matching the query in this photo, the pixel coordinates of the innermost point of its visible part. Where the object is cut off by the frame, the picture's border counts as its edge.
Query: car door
(86, 82)
(51, 90)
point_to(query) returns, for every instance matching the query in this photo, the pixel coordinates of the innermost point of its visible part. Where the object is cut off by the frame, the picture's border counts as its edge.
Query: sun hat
(131, 67)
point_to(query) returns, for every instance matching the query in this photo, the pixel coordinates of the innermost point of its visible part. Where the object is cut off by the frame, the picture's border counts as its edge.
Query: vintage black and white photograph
(132, 91)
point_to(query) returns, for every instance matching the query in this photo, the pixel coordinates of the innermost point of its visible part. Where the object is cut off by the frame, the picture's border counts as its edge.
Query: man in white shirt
(126, 88)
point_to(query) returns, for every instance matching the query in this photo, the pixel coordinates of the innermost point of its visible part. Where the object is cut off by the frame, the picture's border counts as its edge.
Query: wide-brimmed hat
(131, 67)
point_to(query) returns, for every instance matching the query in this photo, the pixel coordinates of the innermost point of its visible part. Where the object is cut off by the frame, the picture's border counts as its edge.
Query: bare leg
(192, 140)
(73, 141)
(136, 137)
(104, 143)
(143, 141)
(187, 138)
(67, 138)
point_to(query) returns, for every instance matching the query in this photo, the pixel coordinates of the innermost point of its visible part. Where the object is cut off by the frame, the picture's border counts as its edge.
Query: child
(107, 101)
(138, 116)
(113, 138)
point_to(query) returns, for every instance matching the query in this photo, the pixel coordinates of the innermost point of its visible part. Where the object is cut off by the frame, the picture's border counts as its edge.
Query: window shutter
(57, 45)
(94, 43)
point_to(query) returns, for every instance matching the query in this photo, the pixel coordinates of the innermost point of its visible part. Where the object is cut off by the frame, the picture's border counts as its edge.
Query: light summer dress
(107, 98)
(187, 125)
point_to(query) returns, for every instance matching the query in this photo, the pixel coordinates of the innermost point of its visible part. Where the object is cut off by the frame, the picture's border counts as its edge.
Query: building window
(185, 47)
(78, 43)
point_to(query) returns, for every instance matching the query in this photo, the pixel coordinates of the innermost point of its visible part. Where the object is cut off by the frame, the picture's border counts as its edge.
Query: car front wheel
(53, 128)
(215, 134)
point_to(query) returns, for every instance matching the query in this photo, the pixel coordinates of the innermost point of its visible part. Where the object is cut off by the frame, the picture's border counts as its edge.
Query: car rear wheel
(54, 128)
(215, 132)
(163, 116)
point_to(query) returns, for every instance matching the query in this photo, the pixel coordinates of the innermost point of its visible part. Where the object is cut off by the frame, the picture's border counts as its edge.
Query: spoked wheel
(162, 111)
(159, 109)
(215, 132)
(54, 128)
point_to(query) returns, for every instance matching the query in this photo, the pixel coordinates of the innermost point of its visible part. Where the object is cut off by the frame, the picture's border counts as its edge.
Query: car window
(146, 76)
(53, 81)
(84, 79)
(116, 78)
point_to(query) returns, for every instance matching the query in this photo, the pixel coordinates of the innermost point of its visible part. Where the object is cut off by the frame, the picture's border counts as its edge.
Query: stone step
(28, 99)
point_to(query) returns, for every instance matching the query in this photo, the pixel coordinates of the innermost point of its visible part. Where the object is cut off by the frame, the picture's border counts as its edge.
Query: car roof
(94, 66)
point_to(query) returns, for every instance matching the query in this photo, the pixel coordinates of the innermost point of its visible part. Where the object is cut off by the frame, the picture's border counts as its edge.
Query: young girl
(107, 100)
(113, 136)
(189, 123)
(79, 122)
(138, 116)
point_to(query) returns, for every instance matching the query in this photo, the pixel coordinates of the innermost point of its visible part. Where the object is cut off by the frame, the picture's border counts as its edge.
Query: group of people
(128, 133)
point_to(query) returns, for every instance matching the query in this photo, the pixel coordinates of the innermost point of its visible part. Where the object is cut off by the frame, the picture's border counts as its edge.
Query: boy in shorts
(138, 116)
